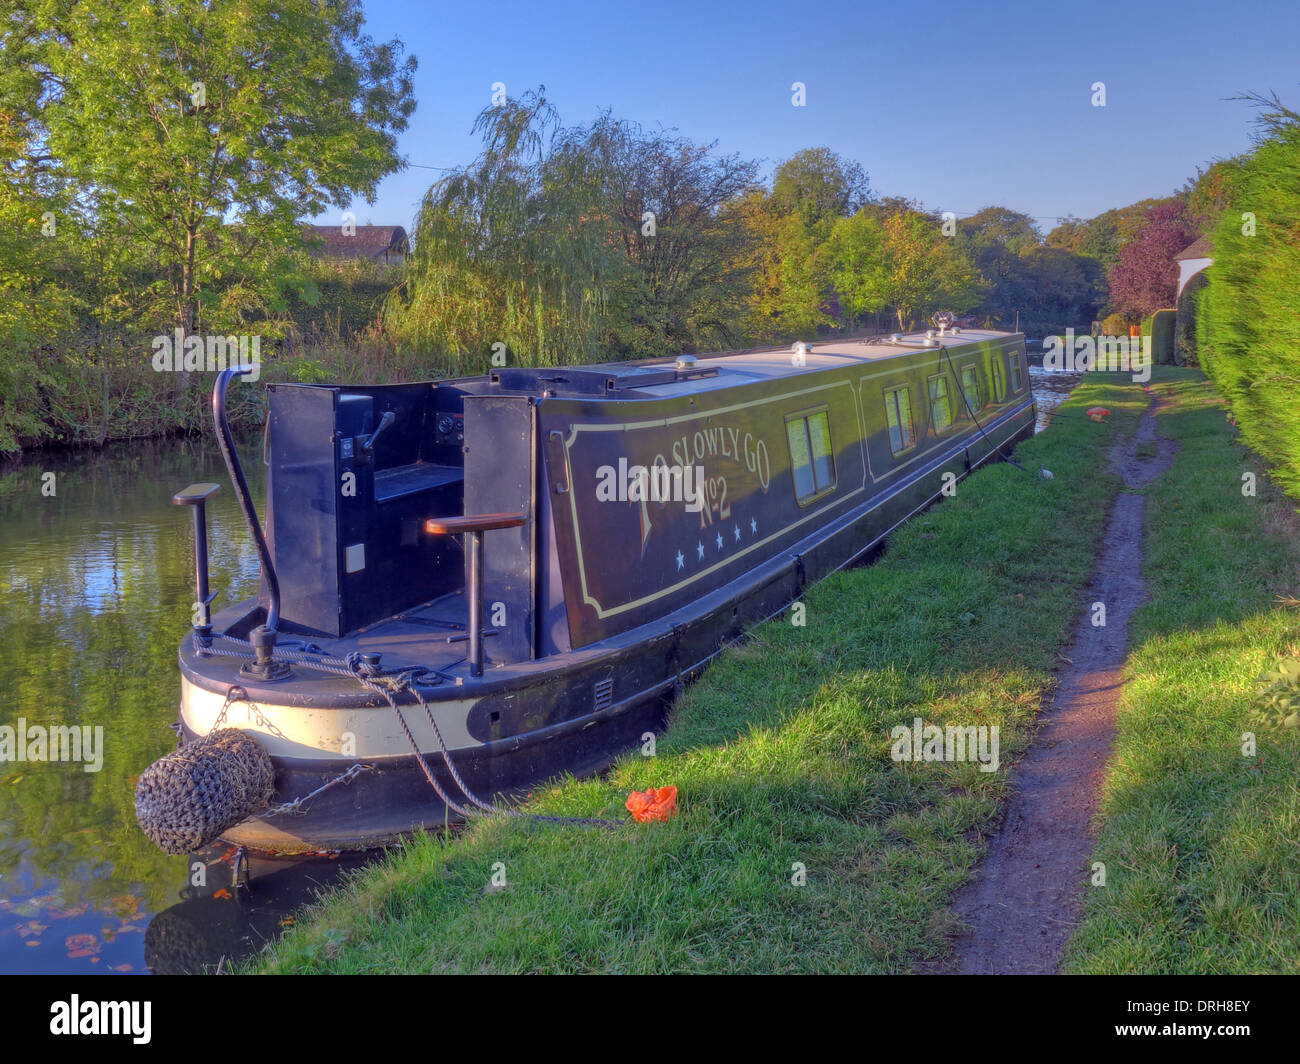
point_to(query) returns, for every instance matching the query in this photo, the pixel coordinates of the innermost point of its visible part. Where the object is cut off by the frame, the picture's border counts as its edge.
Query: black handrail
(241, 488)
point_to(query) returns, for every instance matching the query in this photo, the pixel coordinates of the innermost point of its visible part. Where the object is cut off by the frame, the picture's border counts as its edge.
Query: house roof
(1200, 249)
(368, 241)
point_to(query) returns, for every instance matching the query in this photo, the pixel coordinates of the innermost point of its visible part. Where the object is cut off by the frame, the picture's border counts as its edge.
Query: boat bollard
(196, 497)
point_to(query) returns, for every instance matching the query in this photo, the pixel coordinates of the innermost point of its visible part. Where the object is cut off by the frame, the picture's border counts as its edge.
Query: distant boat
(543, 556)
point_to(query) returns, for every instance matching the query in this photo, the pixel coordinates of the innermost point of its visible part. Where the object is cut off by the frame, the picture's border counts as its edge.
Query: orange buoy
(653, 804)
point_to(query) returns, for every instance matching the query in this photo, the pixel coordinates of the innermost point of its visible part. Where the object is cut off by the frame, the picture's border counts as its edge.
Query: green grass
(781, 756)
(1202, 844)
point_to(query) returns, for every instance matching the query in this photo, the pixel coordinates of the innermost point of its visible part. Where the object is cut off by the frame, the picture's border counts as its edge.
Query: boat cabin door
(500, 477)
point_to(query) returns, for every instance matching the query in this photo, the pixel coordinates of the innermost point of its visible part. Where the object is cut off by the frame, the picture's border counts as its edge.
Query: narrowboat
(472, 586)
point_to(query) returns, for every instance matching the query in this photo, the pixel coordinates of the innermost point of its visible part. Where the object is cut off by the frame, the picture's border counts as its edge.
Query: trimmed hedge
(1246, 326)
(1185, 322)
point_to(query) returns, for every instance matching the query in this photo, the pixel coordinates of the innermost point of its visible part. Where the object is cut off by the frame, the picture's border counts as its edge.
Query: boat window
(999, 377)
(898, 412)
(970, 387)
(1014, 362)
(811, 456)
(940, 409)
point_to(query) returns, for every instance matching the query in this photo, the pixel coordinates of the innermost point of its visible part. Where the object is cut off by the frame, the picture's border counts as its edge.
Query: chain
(235, 694)
(295, 808)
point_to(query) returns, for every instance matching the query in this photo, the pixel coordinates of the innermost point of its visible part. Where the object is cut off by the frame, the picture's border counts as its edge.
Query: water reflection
(95, 589)
(222, 920)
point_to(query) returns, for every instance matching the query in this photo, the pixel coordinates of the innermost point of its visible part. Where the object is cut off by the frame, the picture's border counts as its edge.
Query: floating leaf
(81, 945)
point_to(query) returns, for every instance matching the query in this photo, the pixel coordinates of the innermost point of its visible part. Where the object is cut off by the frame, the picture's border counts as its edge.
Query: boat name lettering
(723, 441)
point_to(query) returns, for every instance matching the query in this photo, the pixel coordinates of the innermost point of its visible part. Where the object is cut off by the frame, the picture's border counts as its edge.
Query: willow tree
(513, 250)
(574, 244)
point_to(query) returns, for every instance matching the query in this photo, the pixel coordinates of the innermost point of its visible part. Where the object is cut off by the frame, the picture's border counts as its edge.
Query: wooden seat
(454, 526)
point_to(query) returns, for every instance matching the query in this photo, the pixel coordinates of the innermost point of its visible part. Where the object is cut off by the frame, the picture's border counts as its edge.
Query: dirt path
(1026, 896)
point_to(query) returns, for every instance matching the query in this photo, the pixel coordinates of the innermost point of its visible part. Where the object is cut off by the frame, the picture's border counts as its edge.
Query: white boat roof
(770, 363)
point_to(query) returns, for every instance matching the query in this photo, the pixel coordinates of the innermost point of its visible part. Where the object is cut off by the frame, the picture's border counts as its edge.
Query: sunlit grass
(1202, 843)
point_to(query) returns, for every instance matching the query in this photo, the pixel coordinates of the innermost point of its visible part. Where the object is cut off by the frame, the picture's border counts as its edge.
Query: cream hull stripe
(325, 733)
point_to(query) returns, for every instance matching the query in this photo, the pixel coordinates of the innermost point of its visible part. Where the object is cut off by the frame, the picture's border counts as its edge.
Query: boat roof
(660, 378)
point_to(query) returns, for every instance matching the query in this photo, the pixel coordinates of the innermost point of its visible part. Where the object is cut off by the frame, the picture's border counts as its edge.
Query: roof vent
(686, 361)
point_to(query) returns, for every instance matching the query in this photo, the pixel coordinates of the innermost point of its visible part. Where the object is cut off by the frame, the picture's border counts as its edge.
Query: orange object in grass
(654, 804)
(1097, 413)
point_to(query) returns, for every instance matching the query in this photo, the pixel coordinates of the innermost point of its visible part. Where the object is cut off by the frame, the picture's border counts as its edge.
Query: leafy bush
(1114, 325)
(1277, 704)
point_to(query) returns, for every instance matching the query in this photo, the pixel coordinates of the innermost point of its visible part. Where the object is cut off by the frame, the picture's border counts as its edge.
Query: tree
(998, 227)
(1145, 275)
(668, 198)
(854, 260)
(1211, 190)
(201, 131)
(819, 186)
(1061, 290)
(1104, 236)
(903, 262)
(994, 239)
(576, 244)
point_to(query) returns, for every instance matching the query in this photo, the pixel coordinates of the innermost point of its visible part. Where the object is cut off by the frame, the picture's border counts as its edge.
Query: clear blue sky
(957, 104)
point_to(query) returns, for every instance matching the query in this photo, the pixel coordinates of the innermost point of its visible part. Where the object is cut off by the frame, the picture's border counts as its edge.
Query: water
(95, 589)
(1051, 388)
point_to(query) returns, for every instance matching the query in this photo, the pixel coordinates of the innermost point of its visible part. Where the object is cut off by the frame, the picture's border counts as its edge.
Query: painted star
(753, 526)
(680, 560)
(719, 541)
(737, 530)
(700, 549)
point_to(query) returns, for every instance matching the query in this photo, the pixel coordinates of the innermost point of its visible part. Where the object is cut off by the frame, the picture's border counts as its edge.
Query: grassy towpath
(1200, 830)
(800, 845)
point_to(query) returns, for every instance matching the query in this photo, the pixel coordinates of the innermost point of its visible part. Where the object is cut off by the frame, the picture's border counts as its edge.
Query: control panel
(450, 429)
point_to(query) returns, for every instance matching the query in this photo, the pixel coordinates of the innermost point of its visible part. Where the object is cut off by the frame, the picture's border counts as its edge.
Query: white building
(1191, 261)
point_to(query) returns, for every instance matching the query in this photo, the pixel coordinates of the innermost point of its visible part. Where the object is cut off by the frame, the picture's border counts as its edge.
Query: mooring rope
(966, 401)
